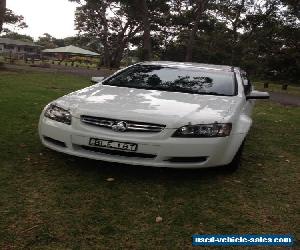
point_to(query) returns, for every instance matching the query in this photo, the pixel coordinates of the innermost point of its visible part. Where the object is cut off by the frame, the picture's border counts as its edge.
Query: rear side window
(176, 79)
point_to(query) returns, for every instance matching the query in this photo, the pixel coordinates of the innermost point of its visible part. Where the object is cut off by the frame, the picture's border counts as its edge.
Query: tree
(294, 6)
(109, 22)
(85, 42)
(211, 43)
(233, 12)
(269, 43)
(17, 36)
(47, 41)
(142, 11)
(198, 8)
(11, 18)
(259, 35)
(2, 13)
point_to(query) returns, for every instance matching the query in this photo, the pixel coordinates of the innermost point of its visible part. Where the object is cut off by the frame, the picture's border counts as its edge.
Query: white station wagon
(161, 114)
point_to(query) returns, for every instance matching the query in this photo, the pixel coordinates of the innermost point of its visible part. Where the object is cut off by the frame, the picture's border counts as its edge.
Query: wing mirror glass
(257, 95)
(97, 79)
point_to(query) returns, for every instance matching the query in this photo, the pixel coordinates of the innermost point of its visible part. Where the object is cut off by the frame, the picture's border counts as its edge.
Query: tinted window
(186, 80)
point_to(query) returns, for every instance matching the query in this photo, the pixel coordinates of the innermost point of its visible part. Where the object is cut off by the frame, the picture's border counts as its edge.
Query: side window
(246, 83)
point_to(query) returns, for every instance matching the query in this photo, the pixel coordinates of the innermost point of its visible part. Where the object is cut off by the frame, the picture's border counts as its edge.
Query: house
(63, 53)
(18, 49)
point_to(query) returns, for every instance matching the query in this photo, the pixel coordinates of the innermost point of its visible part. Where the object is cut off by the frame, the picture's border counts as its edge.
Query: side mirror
(97, 79)
(257, 95)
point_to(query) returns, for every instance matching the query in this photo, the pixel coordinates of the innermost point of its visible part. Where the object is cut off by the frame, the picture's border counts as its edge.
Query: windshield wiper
(112, 84)
(119, 84)
(211, 93)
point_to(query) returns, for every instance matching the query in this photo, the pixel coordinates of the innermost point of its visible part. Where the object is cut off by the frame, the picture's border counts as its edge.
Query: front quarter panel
(242, 124)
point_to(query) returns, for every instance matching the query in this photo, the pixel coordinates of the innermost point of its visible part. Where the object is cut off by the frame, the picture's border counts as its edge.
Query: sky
(55, 17)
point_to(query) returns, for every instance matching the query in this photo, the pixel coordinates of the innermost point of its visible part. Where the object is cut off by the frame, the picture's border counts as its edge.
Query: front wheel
(236, 162)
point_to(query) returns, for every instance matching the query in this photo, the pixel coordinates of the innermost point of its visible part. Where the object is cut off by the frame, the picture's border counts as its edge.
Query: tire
(235, 164)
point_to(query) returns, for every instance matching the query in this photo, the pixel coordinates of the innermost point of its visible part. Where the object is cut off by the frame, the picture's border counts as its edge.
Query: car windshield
(175, 79)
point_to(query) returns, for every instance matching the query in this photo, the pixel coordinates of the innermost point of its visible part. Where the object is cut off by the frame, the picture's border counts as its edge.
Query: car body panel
(219, 151)
(172, 109)
(148, 105)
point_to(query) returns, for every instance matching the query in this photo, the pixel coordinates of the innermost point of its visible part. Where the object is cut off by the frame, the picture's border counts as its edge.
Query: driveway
(285, 99)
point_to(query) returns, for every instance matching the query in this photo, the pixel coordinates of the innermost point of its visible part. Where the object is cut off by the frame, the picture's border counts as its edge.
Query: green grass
(53, 201)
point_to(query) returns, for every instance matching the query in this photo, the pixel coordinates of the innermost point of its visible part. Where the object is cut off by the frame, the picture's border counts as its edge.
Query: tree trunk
(144, 17)
(119, 47)
(235, 25)
(122, 43)
(118, 55)
(201, 6)
(107, 58)
(2, 12)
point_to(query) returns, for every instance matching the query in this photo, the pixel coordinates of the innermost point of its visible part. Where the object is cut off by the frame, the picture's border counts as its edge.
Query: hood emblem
(119, 126)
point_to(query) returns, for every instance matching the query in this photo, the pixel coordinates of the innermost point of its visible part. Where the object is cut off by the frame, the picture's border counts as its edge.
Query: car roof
(224, 68)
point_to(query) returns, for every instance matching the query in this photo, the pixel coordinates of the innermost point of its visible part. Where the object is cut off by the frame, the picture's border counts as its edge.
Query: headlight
(204, 130)
(58, 114)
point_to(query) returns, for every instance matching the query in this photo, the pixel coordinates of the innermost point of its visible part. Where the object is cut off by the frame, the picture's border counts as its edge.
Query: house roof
(9, 41)
(71, 50)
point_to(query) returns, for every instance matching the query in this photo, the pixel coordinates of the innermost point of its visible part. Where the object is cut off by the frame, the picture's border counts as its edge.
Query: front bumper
(156, 150)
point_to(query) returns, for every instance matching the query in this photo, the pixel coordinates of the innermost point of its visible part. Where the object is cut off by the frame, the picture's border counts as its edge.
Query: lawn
(292, 89)
(53, 201)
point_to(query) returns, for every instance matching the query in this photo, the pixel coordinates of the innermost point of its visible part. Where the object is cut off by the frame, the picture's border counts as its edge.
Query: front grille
(118, 152)
(130, 125)
(187, 159)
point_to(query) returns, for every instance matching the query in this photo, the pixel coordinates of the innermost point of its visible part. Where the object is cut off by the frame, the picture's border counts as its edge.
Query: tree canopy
(17, 36)
(261, 36)
(10, 18)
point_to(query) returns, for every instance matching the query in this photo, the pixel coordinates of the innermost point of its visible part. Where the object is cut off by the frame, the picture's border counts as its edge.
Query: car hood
(172, 109)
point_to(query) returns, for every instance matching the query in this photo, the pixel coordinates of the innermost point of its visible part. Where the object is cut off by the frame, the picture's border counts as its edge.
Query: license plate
(113, 144)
